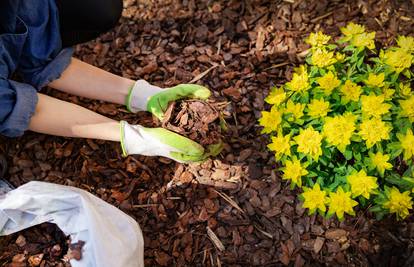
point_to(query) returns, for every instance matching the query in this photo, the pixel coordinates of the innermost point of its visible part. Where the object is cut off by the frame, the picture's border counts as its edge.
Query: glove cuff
(132, 139)
(135, 140)
(139, 95)
(122, 125)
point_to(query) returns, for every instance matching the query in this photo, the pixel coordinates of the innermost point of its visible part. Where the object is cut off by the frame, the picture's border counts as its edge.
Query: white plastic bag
(111, 237)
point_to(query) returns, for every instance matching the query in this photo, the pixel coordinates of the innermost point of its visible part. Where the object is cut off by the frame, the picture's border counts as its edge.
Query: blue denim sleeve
(17, 105)
(48, 71)
(42, 59)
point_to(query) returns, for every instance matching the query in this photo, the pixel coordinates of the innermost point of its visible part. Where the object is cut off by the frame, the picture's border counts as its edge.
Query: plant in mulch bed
(342, 128)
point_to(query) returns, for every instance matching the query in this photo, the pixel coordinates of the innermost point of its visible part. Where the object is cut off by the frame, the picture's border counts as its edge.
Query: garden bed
(238, 50)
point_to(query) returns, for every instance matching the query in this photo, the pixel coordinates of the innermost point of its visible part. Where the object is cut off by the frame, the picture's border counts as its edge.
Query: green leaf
(323, 161)
(376, 208)
(312, 174)
(357, 156)
(331, 46)
(395, 179)
(360, 63)
(348, 154)
(396, 153)
(407, 73)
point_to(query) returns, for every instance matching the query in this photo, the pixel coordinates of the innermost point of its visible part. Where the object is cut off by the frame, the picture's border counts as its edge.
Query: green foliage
(342, 127)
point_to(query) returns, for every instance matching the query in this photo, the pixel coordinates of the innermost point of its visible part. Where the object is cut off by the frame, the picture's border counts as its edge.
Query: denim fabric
(30, 44)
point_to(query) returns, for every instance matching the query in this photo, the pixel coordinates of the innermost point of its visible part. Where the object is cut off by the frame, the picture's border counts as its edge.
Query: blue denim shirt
(30, 44)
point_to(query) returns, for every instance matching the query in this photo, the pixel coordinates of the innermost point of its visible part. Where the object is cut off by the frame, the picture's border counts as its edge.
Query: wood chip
(216, 241)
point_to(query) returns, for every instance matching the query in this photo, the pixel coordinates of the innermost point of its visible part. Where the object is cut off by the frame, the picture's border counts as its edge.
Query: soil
(233, 210)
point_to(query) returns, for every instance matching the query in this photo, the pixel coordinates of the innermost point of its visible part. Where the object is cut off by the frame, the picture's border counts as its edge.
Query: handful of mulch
(198, 120)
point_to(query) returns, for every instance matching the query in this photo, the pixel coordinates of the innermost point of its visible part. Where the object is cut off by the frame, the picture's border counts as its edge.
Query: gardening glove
(136, 139)
(146, 97)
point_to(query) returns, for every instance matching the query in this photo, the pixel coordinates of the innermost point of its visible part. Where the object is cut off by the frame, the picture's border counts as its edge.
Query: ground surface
(239, 49)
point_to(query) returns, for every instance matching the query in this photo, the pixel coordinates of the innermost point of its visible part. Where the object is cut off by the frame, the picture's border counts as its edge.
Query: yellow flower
(309, 142)
(407, 108)
(318, 108)
(280, 145)
(406, 43)
(364, 40)
(404, 89)
(351, 91)
(373, 106)
(314, 199)
(318, 39)
(373, 131)
(338, 130)
(300, 81)
(388, 93)
(407, 143)
(295, 109)
(293, 171)
(340, 203)
(375, 80)
(270, 120)
(380, 162)
(276, 96)
(352, 29)
(300, 70)
(339, 57)
(322, 58)
(362, 184)
(397, 59)
(398, 203)
(328, 82)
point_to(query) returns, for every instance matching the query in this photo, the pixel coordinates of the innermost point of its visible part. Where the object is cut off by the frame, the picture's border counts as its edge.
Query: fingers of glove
(214, 149)
(176, 141)
(157, 107)
(185, 158)
(190, 91)
(158, 104)
(211, 151)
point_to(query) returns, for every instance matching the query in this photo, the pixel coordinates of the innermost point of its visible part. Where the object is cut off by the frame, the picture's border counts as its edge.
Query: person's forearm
(56, 117)
(85, 80)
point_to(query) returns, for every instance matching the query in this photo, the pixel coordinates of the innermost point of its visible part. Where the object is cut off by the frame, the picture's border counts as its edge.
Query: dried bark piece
(75, 251)
(216, 241)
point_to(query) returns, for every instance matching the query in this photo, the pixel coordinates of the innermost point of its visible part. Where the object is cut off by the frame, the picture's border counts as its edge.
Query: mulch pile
(232, 210)
(43, 245)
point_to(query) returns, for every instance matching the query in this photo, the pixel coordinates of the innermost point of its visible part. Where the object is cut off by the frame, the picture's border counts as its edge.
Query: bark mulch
(42, 245)
(232, 210)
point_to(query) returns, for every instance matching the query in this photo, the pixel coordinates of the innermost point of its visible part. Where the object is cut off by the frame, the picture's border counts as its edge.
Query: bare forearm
(57, 117)
(85, 80)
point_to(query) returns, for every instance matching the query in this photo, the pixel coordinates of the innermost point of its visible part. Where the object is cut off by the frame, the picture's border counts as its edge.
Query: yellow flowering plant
(342, 128)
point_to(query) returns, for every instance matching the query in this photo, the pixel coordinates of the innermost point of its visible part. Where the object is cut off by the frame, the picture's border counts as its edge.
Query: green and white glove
(146, 97)
(138, 140)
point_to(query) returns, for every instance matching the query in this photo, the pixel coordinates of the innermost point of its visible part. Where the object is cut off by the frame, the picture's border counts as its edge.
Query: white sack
(111, 237)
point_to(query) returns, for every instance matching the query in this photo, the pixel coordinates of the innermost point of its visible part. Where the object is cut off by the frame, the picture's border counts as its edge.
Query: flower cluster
(342, 128)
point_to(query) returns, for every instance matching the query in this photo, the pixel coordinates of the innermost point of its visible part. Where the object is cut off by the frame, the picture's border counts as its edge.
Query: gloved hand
(146, 97)
(136, 139)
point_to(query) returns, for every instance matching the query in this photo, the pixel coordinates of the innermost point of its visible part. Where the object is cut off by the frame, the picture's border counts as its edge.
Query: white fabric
(4, 188)
(140, 142)
(113, 239)
(140, 94)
